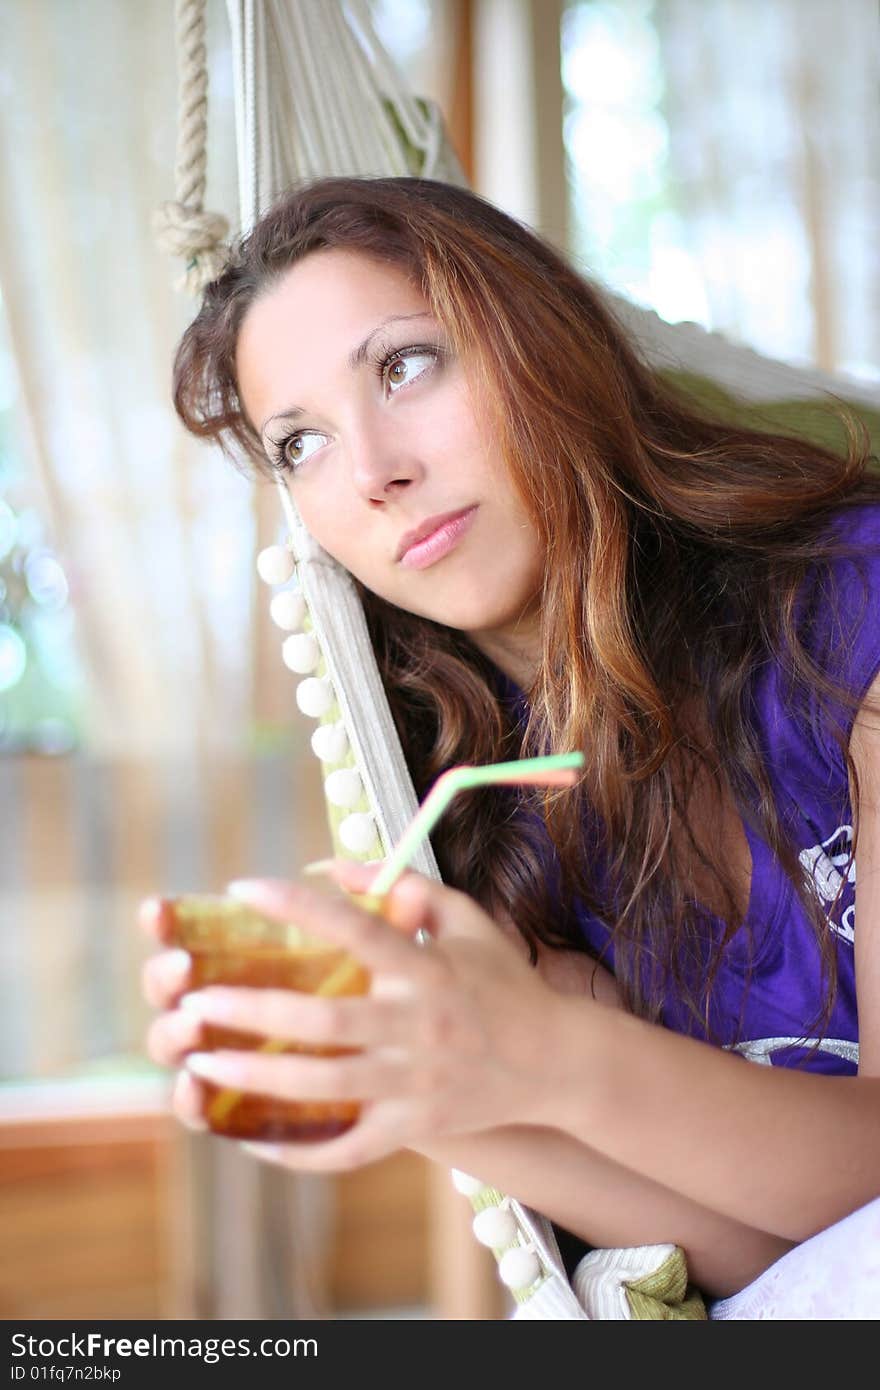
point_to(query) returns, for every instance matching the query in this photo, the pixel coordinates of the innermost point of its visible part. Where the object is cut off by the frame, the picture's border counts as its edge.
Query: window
(723, 167)
(40, 673)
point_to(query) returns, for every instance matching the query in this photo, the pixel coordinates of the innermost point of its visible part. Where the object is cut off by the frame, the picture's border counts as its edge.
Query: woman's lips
(438, 544)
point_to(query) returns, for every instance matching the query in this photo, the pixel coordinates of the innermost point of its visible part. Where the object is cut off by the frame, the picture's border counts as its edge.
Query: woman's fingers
(171, 1036)
(351, 875)
(164, 977)
(156, 919)
(188, 1101)
(292, 1077)
(412, 906)
(384, 1128)
(363, 934)
(427, 1051)
(286, 1016)
(405, 910)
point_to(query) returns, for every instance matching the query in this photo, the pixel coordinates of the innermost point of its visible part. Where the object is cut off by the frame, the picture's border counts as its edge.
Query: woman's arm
(592, 1196)
(865, 750)
(589, 1195)
(464, 1037)
(778, 1149)
(606, 1205)
(574, 1186)
(794, 1151)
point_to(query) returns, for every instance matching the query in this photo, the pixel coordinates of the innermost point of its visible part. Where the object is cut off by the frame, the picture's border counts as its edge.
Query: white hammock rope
(316, 95)
(739, 370)
(337, 620)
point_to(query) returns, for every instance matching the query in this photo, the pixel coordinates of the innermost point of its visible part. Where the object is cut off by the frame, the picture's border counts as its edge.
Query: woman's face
(355, 391)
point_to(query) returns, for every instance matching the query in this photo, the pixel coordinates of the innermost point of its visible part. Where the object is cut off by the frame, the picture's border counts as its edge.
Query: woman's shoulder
(839, 621)
(859, 521)
(806, 719)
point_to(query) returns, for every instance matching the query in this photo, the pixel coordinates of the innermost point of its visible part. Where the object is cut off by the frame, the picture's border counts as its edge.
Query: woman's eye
(408, 367)
(301, 446)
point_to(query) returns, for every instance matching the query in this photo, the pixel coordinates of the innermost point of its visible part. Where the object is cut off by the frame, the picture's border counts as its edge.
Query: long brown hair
(675, 548)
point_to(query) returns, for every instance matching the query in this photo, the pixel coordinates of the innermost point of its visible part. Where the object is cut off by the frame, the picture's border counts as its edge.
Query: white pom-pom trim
(465, 1184)
(315, 696)
(344, 787)
(358, 832)
(288, 610)
(300, 652)
(330, 743)
(495, 1227)
(275, 564)
(519, 1267)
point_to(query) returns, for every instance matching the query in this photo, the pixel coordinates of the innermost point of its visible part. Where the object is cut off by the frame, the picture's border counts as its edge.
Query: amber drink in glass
(232, 944)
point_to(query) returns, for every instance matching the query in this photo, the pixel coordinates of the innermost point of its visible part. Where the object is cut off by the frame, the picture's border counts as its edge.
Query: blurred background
(715, 160)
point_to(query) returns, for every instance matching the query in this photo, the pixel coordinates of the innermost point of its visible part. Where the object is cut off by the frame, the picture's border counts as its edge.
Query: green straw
(559, 770)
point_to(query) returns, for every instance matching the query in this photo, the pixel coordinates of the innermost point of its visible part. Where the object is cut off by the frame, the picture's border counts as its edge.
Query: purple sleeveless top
(808, 776)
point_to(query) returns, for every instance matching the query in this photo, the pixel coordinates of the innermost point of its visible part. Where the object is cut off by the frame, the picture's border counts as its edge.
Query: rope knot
(196, 236)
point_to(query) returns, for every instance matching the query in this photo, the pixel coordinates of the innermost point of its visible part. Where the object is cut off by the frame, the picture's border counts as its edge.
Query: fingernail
(179, 960)
(246, 887)
(260, 891)
(192, 1004)
(319, 866)
(262, 1150)
(197, 1126)
(190, 1119)
(203, 1064)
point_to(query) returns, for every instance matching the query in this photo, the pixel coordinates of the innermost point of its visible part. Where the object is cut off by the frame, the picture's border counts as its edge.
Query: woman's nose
(382, 461)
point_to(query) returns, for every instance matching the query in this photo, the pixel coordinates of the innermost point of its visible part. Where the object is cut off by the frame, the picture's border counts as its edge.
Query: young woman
(555, 551)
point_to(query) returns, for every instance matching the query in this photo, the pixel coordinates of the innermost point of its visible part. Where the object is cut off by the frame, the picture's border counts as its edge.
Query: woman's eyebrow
(356, 358)
(359, 355)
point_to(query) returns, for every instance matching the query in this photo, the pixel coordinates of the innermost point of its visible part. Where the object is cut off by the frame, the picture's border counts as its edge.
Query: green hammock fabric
(665, 1295)
(813, 419)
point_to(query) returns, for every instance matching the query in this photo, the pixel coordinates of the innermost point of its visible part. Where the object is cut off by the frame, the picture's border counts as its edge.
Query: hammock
(360, 119)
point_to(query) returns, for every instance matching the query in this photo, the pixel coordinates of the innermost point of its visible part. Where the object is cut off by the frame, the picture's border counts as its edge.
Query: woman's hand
(176, 1032)
(453, 1035)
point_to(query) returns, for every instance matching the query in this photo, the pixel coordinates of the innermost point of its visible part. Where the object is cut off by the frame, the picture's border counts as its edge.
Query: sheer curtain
(158, 534)
(195, 763)
(190, 709)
